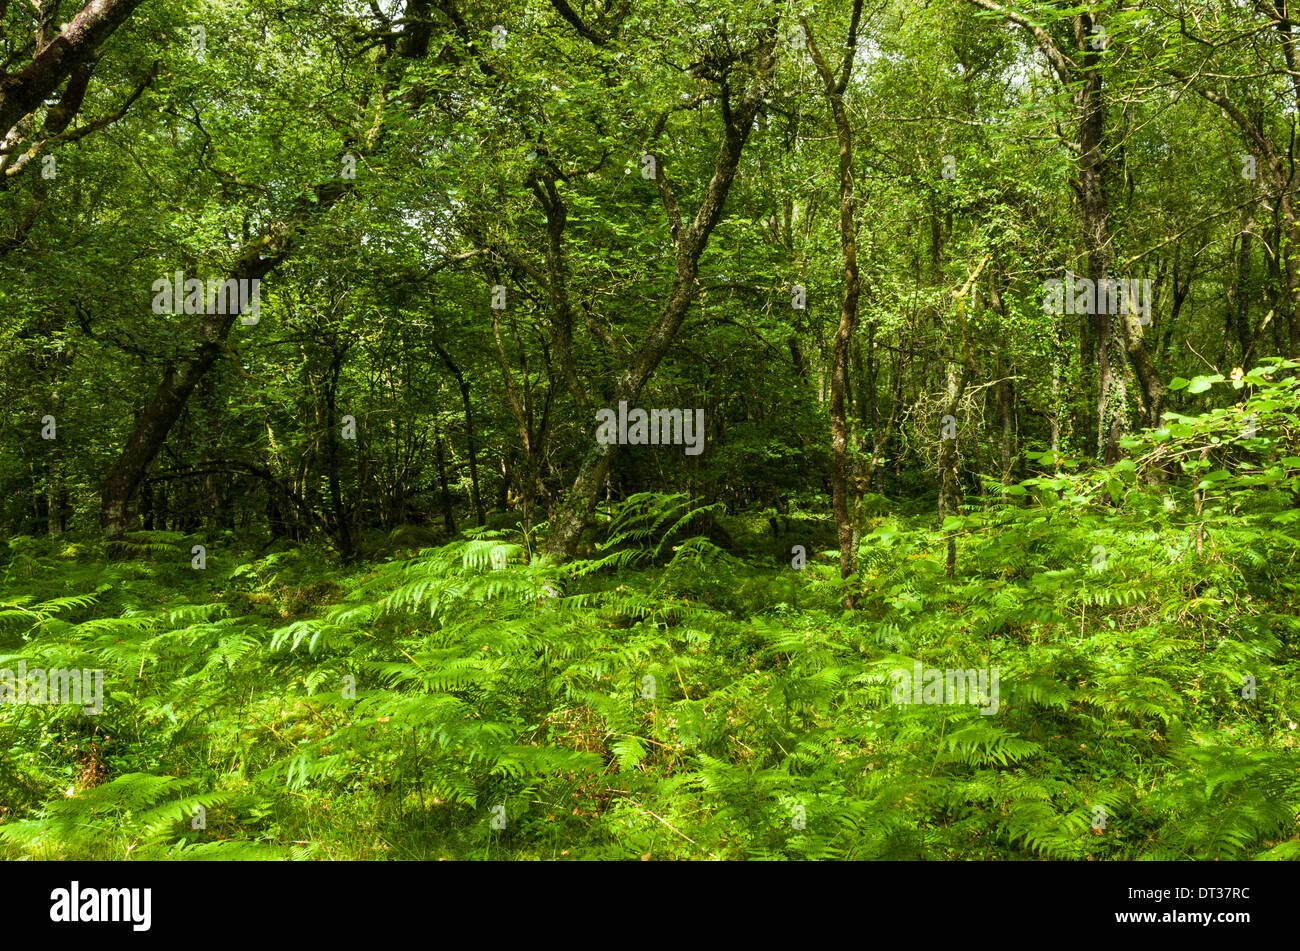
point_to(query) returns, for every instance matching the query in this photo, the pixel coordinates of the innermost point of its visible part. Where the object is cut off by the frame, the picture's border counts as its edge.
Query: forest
(615, 430)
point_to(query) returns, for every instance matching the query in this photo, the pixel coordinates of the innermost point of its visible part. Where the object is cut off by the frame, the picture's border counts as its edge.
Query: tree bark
(471, 442)
(341, 518)
(690, 241)
(73, 46)
(844, 332)
(448, 511)
(1119, 337)
(119, 499)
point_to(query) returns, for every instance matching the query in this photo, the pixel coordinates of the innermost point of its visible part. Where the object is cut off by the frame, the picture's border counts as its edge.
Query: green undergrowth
(669, 699)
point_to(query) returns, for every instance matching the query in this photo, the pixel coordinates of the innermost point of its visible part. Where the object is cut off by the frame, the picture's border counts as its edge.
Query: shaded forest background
(364, 581)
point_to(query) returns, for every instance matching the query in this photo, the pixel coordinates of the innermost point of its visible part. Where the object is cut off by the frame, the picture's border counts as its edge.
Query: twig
(638, 805)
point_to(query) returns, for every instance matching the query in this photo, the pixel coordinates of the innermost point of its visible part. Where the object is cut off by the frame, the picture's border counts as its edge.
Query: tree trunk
(1107, 333)
(690, 241)
(949, 486)
(448, 512)
(1239, 319)
(844, 332)
(471, 442)
(120, 492)
(958, 376)
(1113, 341)
(341, 518)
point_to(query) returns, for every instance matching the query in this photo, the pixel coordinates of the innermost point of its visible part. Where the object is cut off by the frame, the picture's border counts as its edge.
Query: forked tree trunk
(690, 240)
